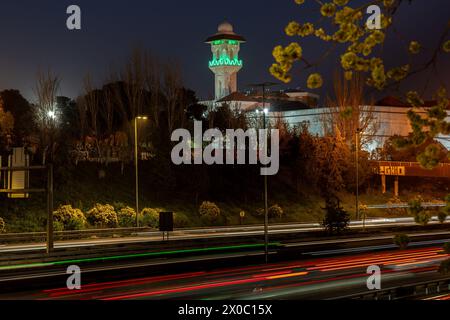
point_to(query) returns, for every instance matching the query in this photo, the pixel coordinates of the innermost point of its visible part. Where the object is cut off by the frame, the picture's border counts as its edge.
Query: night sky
(34, 35)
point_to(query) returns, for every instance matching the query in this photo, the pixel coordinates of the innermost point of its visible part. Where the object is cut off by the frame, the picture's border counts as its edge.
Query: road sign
(392, 170)
(166, 221)
(18, 180)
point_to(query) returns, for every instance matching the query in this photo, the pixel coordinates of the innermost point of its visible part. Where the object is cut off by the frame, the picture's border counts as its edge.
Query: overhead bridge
(411, 169)
(408, 169)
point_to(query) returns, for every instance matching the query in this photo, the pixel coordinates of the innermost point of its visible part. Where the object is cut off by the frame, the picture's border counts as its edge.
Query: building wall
(392, 121)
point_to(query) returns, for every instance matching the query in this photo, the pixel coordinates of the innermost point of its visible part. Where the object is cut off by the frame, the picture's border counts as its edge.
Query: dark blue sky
(33, 35)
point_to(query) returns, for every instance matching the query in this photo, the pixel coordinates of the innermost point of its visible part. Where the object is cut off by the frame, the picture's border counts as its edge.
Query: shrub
(2, 225)
(181, 220)
(209, 210)
(442, 216)
(69, 218)
(422, 217)
(401, 240)
(58, 226)
(396, 211)
(447, 247)
(150, 218)
(415, 205)
(126, 217)
(260, 212)
(446, 209)
(275, 211)
(444, 267)
(119, 205)
(102, 216)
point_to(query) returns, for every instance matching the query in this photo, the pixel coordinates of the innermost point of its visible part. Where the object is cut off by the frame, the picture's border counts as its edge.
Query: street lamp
(358, 132)
(136, 164)
(51, 114)
(265, 112)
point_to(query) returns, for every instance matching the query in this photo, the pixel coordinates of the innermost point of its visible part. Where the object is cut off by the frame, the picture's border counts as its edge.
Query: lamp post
(136, 164)
(265, 111)
(51, 114)
(358, 131)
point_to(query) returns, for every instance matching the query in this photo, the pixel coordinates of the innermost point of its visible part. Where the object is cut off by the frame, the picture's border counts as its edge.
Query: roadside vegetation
(401, 240)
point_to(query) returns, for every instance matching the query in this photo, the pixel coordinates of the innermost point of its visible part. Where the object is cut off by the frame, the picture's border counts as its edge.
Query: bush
(260, 212)
(103, 216)
(2, 225)
(181, 220)
(69, 218)
(275, 211)
(58, 226)
(119, 205)
(444, 268)
(415, 205)
(150, 218)
(396, 211)
(447, 247)
(210, 211)
(422, 217)
(126, 217)
(442, 216)
(401, 240)
(446, 209)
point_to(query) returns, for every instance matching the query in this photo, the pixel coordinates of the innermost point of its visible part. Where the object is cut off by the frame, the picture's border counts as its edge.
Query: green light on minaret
(230, 42)
(225, 61)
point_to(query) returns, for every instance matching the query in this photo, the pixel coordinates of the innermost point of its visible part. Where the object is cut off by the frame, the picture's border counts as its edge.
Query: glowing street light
(51, 114)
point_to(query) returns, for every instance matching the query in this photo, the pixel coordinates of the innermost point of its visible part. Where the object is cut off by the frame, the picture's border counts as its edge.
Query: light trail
(136, 255)
(262, 281)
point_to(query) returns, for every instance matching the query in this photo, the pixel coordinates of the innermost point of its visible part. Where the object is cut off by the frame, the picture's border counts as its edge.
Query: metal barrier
(441, 285)
(71, 235)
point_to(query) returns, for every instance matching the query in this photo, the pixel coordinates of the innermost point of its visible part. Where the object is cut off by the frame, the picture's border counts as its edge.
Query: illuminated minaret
(225, 62)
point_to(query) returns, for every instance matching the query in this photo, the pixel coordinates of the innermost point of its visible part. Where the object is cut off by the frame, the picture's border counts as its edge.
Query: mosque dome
(225, 32)
(226, 27)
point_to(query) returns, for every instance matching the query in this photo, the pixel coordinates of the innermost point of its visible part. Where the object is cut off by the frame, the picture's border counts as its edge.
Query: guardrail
(441, 285)
(71, 235)
(405, 205)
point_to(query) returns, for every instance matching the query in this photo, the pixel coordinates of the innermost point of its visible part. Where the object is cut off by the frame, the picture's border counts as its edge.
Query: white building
(294, 106)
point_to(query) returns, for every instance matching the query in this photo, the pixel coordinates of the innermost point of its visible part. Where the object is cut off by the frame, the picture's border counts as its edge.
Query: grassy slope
(86, 188)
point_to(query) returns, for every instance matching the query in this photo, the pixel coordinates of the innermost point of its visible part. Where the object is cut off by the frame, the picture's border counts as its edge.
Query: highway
(313, 278)
(202, 233)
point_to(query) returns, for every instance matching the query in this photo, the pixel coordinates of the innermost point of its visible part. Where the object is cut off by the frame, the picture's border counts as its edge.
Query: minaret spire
(225, 63)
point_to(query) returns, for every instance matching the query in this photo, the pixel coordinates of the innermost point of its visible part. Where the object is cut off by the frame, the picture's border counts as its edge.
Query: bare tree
(133, 78)
(47, 115)
(108, 110)
(173, 93)
(118, 96)
(349, 111)
(152, 71)
(92, 104)
(82, 116)
(6, 125)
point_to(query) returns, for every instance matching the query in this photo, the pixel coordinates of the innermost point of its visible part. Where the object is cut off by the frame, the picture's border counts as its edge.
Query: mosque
(294, 106)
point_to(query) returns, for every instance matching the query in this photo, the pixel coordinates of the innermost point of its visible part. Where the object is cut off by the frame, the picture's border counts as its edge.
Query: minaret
(225, 62)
